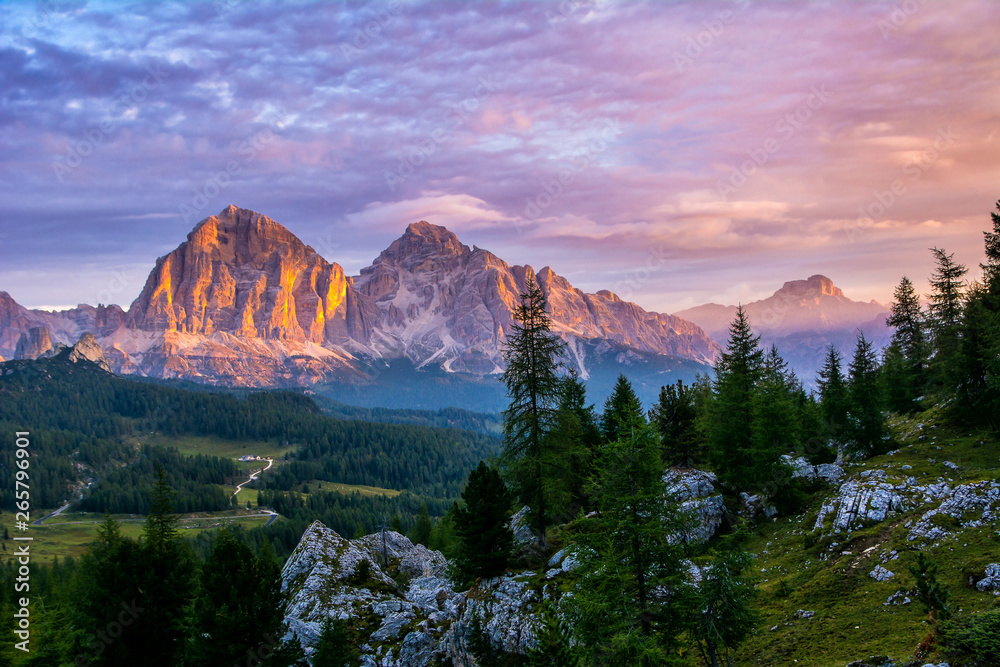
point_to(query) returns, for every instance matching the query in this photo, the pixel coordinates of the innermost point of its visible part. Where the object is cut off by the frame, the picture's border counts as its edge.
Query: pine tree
(674, 416)
(239, 608)
(421, 533)
(866, 428)
(167, 574)
(723, 615)
(574, 442)
(482, 524)
(909, 348)
(110, 579)
(737, 373)
(977, 366)
(945, 313)
(334, 648)
(7, 638)
(931, 594)
(532, 354)
(628, 553)
(553, 648)
(991, 269)
(833, 396)
(774, 428)
(619, 410)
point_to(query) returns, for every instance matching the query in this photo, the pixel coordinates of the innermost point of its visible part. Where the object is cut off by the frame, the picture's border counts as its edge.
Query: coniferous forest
(593, 479)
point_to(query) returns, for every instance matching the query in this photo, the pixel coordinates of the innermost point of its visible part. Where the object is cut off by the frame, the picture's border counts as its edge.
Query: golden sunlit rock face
(242, 273)
(243, 302)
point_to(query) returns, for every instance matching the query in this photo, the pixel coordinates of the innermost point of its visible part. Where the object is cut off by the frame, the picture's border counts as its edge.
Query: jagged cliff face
(445, 303)
(244, 302)
(244, 274)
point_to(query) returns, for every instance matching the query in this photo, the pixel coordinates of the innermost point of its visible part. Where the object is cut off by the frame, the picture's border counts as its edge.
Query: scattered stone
(949, 464)
(881, 574)
(802, 613)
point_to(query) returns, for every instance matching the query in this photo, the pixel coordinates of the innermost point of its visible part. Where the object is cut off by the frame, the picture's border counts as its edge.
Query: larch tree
(532, 353)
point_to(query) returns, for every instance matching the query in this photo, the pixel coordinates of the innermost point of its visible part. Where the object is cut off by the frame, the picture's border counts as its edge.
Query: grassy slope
(70, 534)
(851, 620)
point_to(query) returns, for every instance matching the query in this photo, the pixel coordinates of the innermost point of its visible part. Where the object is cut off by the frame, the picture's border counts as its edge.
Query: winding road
(252, 477)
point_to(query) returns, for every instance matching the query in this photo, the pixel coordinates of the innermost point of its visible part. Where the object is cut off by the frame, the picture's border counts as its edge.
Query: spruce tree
(553, 648)
(619, 410)
(168, 575)
(482, 524)
(239, 608)
(421, 533)
(7, 637)
(674, 416)
(723, 613)
(334, 648)
(774, 428)
(630, 550)
(932, 595)
(909, 348)
(945, 313)
(532, 354)
(866, 428)
(991, 269)
(736, 376)
(575, 440)
(833, 396)
(977, 366)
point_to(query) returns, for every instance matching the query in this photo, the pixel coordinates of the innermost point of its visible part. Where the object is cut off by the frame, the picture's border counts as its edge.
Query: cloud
(347, 121)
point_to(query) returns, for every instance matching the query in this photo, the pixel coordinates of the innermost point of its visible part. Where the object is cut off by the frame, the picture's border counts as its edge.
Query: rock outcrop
(695, 491)
(395, 593)
(34, 344)
(87, 348)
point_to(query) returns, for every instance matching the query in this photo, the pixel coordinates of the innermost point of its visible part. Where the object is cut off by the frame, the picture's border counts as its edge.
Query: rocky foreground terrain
(835, 579)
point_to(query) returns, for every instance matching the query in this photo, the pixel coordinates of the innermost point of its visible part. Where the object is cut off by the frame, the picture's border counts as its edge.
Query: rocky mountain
(244, 302)
(803, 319)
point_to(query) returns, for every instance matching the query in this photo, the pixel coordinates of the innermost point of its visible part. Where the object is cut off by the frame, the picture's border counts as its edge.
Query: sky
(676, 153)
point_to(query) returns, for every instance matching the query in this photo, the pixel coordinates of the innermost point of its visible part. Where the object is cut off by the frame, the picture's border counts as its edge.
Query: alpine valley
(243, 302)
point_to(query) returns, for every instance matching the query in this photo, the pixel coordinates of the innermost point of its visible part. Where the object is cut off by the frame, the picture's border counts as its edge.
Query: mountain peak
(813, 286)
(422, 240)
(240, 231)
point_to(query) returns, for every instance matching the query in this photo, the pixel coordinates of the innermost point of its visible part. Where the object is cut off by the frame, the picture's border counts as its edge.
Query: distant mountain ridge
(802, 319)
(243, 302)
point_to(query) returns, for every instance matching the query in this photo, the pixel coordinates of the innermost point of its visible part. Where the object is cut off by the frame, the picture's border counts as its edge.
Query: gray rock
(557, 558)
(694, 490)
(523, 534)
(991, 582)
(689, 484)
(881, 574)
(857, 503)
